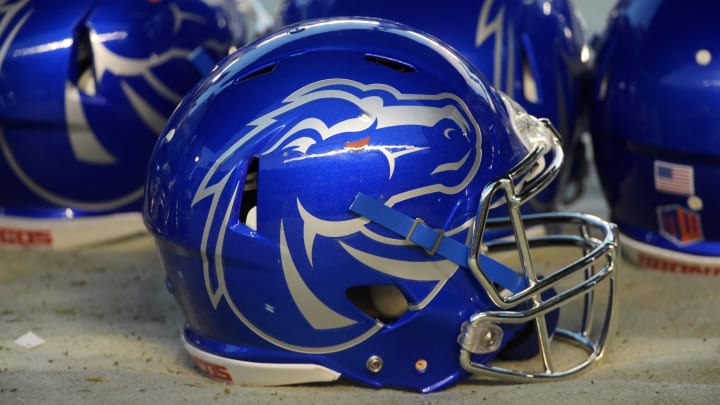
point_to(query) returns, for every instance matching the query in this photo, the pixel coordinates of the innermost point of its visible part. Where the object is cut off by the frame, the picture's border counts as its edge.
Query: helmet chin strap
(434, 241)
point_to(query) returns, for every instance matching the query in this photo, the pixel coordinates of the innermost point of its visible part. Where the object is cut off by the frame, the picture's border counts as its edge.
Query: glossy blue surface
(329, 109)
(531, 50)
(85, 88)
(656, 97)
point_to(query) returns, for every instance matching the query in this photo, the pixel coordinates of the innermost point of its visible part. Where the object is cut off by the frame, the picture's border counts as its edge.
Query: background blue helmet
(258, 20)
(85, 88)
(656, 131)
(534, 51)
(319, 202)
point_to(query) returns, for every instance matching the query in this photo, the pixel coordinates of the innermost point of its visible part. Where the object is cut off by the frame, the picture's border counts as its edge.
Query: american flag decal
(681, 226)
(674, 178)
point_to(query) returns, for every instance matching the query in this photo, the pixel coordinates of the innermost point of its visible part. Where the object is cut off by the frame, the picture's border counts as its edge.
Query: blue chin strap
(434, 241)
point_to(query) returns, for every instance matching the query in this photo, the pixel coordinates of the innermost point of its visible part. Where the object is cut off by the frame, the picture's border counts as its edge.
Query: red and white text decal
(212, 369)
(25, 237)
(671, 266)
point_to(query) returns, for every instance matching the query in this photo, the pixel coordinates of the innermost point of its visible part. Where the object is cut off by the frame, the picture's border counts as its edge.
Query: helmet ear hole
(85, 76)
(248, 205)
(381, 301)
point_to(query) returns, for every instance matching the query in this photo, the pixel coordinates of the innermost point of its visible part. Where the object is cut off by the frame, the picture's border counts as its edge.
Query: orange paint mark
(357, 145)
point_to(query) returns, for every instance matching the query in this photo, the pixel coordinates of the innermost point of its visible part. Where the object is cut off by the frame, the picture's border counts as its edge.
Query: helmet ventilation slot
(248, 205)
(383, 302)
(257, 72)
(391, 63)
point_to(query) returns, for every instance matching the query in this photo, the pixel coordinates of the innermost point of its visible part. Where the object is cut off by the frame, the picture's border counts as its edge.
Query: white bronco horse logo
(382, 108)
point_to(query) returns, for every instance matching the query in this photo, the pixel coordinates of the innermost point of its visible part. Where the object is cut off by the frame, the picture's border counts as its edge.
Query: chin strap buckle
(438, 239)
(434, 241)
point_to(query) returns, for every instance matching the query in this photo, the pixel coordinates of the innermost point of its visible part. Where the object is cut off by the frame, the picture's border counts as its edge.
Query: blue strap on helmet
(434, 241)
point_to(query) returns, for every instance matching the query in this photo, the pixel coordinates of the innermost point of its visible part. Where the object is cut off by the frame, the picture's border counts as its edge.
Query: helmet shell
(295, 125)
(85, 89)
(655, 130)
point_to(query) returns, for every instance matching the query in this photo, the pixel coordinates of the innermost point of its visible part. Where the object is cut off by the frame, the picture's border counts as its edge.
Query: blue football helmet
(85, 89)
(534, 51)
(656, 132)
(319, 203)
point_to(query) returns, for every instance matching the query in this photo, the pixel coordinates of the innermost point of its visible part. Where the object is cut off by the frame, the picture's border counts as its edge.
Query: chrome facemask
(594, 239)
(521, 291)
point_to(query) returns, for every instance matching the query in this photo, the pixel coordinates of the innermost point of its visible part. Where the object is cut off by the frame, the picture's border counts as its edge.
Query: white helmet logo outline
(84, 143)
(317, 313)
